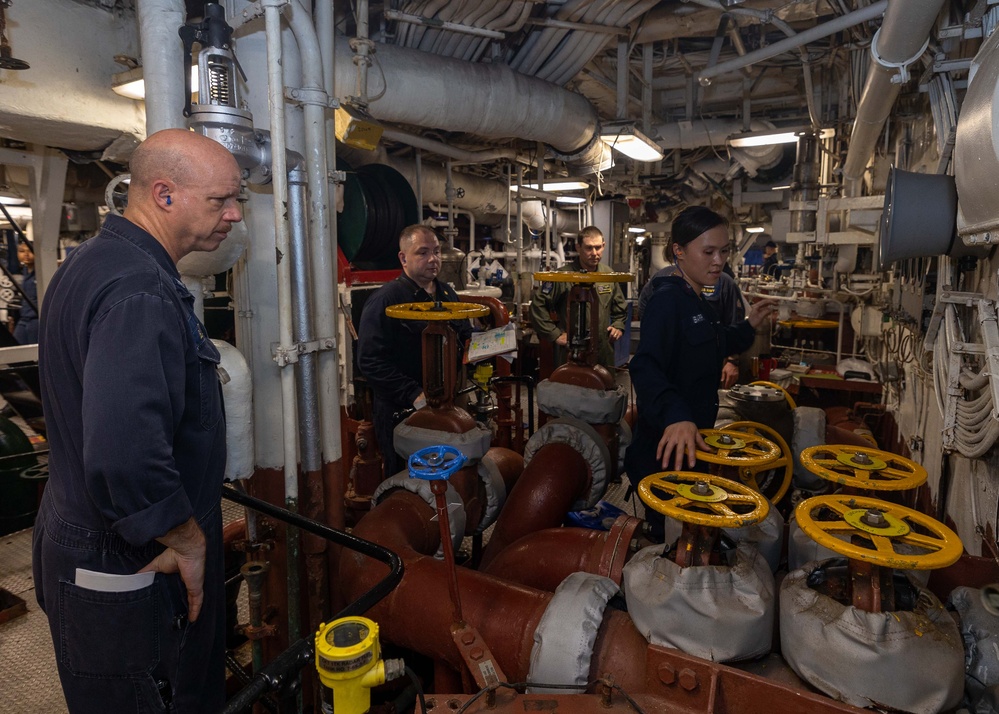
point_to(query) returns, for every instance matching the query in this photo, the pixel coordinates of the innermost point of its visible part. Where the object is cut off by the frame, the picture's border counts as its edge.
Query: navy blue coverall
(135, 422)
(26, 329)
(390, 355)
(676, 370)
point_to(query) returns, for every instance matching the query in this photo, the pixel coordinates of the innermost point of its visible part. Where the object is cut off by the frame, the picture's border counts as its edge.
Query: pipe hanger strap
(436, 310)
(578, 277)
(703, 499)
(861, 467)
(878, 532)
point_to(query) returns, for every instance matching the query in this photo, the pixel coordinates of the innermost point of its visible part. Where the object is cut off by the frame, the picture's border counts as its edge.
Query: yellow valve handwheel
(436, 311)
(863, 468)
(555, 276)
(767, 478)
(807, 323)
(787, 395)
(736, 448)
(703, 499)
(889, 532)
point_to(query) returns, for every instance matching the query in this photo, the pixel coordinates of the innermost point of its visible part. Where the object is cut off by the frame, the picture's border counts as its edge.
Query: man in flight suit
(128, 541)
(549, 303)
(390, 351)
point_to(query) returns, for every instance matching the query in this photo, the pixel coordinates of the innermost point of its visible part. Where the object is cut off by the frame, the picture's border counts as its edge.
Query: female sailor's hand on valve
(760, 311)
(679, 438)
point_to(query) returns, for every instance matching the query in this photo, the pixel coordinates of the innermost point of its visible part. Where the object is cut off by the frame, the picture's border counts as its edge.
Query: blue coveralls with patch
(676, 370)
(135, 422)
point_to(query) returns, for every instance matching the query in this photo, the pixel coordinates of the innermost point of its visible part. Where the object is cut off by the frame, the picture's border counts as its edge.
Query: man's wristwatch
(732, 360)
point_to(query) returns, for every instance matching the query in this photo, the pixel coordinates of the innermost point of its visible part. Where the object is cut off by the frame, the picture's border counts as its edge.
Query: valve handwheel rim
(738, 448)
(846, 515)
(862, 467)
(749, 474)
(565, 276)
(432, 463)
(436, 310)
(703, 499)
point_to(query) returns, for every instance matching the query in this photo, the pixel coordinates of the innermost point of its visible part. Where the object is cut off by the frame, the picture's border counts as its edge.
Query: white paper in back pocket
(108, 583)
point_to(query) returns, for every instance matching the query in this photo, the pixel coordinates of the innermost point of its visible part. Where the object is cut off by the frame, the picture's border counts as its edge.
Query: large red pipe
(544, 559)
(557, 477)
(418, 614)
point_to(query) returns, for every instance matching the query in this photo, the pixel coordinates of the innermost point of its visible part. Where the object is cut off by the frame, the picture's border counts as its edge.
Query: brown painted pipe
(557, 477)
(417, 614)
(544, 559)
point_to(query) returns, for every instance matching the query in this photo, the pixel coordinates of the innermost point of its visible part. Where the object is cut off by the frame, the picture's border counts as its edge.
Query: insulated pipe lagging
(556, 478)
(504, 614)
(163, 62)
(903, 33)
(490, 100)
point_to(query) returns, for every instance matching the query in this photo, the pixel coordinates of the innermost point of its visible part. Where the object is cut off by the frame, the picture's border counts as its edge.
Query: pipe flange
(455, 506)
(587, 442)
(903, 67)
(563, 642)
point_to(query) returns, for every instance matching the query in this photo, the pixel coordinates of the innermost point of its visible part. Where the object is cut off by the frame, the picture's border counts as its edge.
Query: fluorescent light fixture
(774, 136)
(640, 240)
(12, 200)
(631, 142)
(754, 229)
(570, 199)
(556, 186)
(636, 229)
(131, 84)
(17, 212)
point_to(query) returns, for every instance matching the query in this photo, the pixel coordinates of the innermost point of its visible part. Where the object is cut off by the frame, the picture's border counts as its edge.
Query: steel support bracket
(308, 95)
(289, 355)
(483, 666)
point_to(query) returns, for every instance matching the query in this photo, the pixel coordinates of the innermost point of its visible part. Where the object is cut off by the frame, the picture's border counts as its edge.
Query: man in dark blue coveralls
(128, 540)
(390, 351)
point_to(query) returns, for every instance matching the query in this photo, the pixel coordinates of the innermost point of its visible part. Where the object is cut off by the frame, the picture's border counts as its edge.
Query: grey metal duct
(488, 100)
(900, 41)
(704, 132)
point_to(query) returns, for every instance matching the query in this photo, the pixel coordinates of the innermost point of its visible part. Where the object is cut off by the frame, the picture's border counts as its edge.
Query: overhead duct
(488, 100)
(704, 132)
(900, 41)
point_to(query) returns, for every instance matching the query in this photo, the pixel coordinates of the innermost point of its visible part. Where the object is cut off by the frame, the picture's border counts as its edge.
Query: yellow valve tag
(704, 492)
(893, 526)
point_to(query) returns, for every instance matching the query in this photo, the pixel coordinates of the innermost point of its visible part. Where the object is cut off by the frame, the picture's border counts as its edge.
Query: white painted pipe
(282, 245)
(703, 132)
(237, 394)
(163, 62)
(321, 256)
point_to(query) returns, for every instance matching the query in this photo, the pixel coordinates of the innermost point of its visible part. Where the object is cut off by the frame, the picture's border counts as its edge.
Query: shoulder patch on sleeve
(604, 288)
(547, 287)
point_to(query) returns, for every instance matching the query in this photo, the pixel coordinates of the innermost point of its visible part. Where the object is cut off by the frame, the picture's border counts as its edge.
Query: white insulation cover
(237, 394)
(495, 487)
(719, 613)
(563, 641)
(913, 661)
(766, 536)
(809, 430)
(594, 406)
(584, 439)
(980, 632)
(473, 443)
(455, 506)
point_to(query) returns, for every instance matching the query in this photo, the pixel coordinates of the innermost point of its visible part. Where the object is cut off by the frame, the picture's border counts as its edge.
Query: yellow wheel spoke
(722, 510)
(928, 542)
(833, 526)
(895, 473)
(884, 545)
(840, 508)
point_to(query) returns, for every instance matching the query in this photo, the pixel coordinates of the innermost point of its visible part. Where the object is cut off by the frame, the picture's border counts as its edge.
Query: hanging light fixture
(627, 139)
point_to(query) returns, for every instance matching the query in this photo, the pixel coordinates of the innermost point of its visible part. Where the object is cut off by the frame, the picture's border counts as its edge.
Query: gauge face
(347, 634)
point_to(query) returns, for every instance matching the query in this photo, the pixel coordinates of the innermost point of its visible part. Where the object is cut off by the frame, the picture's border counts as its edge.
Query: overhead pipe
(557, 477)
(505, 615)
(703, 132)
(163, 62)
(483, 99)
(901, 41)
(843, 22)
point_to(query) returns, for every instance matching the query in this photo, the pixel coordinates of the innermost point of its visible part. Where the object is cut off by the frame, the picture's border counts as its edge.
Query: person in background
(549, 303)
(725, 297)
(26, 328)
(677, 367)
(390, 351)
(771, 260)
(127, 545)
